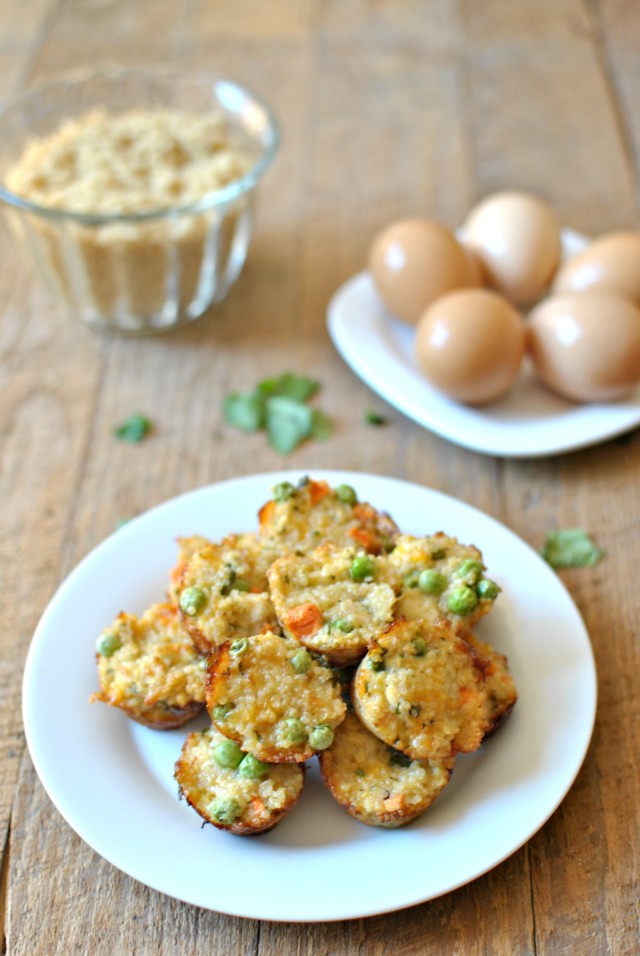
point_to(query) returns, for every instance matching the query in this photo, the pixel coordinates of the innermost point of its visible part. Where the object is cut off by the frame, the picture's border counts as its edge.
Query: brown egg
(609, 264)
(470, 345)
(518, 239)
(477, 271)
(413, 262)
(586, 347)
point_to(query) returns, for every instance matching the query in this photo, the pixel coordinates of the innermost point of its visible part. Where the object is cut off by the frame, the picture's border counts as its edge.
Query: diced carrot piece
(265, 515)
(318, 490)
(391, 804)
(364, 512)
(367, 539)
(304, 620)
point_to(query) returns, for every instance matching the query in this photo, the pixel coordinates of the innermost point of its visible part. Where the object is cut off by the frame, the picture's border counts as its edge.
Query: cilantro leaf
(133, 429)
(374, 418)
(297, 387)
(245, 411)
(288, 423)
(570, 548)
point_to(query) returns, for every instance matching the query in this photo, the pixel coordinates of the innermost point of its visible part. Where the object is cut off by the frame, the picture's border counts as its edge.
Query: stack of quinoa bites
(326, 632)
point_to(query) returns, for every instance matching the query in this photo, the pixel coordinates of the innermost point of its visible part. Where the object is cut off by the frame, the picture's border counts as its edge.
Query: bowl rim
(215, 198)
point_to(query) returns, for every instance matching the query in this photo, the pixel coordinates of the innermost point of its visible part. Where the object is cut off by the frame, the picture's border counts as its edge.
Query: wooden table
(388, 109)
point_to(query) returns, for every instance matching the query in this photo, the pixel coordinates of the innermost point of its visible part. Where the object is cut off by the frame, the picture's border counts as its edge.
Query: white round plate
(112, 779)
(529, 422)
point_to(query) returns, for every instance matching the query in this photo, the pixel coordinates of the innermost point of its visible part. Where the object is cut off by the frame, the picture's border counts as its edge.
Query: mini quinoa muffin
(331, 600)
(376, 784)
(271, 696)
(223, 594)
(441, 578)
(501, 689)
(149, 668)
(187, 547)
(302, 517)
(420, 689)
(234, 790)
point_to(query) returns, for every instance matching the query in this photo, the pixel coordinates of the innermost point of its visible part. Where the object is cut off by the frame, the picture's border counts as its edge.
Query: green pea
(108, 644)
(301, 660)
(411, 580)
(343, 624)
(220, 711)
(432, 582)
(225, 810)
(192, 601)
(252, 768)
(239, 647)
(470, 570)
(363, 567)
(485, 588)
(293, 730)
(419, 647)
(283, 491)
(462, 600)
(321, 737)
(377, 664)
(346, 495)
(228, 754)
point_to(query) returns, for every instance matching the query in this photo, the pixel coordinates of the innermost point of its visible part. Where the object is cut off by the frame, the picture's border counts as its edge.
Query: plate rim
(333, 476)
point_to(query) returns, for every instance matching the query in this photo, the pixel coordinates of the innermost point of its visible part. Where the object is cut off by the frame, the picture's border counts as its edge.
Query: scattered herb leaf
(134, 429)
(374, 418)
(278, 404)
(297, 387)
(288, 423)
(244, 411)
(570, 548)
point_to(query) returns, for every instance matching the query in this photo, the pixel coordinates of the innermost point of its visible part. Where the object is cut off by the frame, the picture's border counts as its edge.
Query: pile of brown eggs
(467, 297)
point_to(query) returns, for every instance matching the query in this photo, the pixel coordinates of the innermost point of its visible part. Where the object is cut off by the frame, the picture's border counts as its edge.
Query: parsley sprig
(134, 429)
(570, 548)
(279, 405)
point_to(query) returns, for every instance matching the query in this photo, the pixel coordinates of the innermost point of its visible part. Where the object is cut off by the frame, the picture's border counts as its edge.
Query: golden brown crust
(258, 698)
(154, 675)
(320, 604)
(261, 803)
(448, 558)
(501, 689)
(314, 513)
(375, 784)
(231, 579)
(421, 690)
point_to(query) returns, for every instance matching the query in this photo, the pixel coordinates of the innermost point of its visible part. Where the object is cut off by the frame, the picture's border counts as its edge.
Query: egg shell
(609, 264)
(586, 347)
(413, 262)
(517, 236)
(470, 345)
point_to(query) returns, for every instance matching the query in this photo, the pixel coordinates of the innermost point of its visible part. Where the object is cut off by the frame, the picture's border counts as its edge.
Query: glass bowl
(120, 266)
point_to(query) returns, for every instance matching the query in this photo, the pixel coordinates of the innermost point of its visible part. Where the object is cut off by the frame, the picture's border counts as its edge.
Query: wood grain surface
(413, 107)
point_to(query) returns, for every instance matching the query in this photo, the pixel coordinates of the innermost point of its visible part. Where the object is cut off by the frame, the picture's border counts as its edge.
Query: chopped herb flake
(374, 418)
(296, 387)
(134, 429)
(278, 405)
(288, 423)
(244, 411)
(570, 548)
